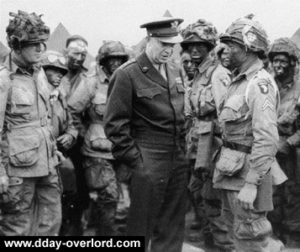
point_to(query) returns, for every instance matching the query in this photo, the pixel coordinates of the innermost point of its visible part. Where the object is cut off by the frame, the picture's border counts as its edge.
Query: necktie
(162, 71)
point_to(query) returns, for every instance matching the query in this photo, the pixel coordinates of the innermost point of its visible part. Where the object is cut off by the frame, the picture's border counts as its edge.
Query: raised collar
(205, 64)
(14, 66)
(102, 75)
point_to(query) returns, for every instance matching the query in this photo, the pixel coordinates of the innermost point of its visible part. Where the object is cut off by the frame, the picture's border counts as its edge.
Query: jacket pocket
(99, 102)
(23, 150)
(148, 92)
(230, 161)
(21, 100)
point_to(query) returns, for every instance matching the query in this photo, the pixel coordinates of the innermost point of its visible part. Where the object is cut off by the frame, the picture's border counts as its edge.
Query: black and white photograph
(150, 125)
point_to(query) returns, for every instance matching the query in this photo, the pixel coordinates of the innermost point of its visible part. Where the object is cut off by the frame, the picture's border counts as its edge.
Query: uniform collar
(102, 75)
(205, 64)
(15, 66)
(148, 69)
(249, 72)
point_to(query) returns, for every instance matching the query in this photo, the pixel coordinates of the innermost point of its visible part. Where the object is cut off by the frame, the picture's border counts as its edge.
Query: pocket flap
(22, 96)
(180, 89)
(148, 92)
(230, 161)
(204, 127)
(19, 144)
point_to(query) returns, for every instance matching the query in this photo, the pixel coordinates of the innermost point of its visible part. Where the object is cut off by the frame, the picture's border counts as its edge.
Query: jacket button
(144, 69)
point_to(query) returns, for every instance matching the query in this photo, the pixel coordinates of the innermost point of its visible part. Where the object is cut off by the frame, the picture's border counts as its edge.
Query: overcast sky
(99, 20)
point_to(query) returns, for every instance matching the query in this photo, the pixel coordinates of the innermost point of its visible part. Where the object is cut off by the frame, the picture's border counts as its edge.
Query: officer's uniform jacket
(144, 107)
(27, 144)
(248, 118)
(90, 98)
(69, 84)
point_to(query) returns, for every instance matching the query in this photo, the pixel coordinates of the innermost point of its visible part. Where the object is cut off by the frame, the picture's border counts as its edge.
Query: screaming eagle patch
(264, 86)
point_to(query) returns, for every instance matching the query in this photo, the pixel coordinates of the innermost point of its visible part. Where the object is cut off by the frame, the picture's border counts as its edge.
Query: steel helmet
(53, 59)
(111, 49)
(285, 46)
(201, 31)
(247, 32)
(26, 28)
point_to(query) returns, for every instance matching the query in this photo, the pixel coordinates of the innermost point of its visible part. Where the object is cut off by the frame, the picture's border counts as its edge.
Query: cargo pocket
(11, 200)
(23, 150)
(253, 228)
(148, 92)
(230, 161)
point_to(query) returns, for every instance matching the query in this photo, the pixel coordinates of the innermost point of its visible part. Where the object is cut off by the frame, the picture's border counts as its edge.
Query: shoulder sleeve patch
(263, 85)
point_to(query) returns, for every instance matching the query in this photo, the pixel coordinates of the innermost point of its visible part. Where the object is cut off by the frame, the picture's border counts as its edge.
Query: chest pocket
(148, 93)
(99, 103)
(234, 108)
(22, 100)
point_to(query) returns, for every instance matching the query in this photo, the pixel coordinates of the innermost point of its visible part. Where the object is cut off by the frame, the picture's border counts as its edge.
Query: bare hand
(247, 196)
(65, 140)
(4, 183)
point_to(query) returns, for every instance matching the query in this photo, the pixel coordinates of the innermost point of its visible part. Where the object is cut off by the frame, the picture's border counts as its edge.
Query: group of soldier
(121, 150)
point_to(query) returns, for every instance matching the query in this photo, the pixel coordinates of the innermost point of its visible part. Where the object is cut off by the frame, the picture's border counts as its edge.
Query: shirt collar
(205, 64)
(15, 66)
(102, 75)
(249, 72)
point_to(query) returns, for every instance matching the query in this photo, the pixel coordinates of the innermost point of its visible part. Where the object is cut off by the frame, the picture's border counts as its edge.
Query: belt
(237, 146)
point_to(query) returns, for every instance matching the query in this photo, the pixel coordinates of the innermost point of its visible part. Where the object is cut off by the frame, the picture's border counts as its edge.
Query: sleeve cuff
(73, 133)
(292, 141)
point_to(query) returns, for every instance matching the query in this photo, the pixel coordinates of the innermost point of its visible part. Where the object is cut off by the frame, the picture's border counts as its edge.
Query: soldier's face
(281, 65)
(238, 54)
(225, 57)
(188, 65)
(158, 51)
(54, 76)
(198, 52)
(32, 53)
(76, 54)
(113, 63)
